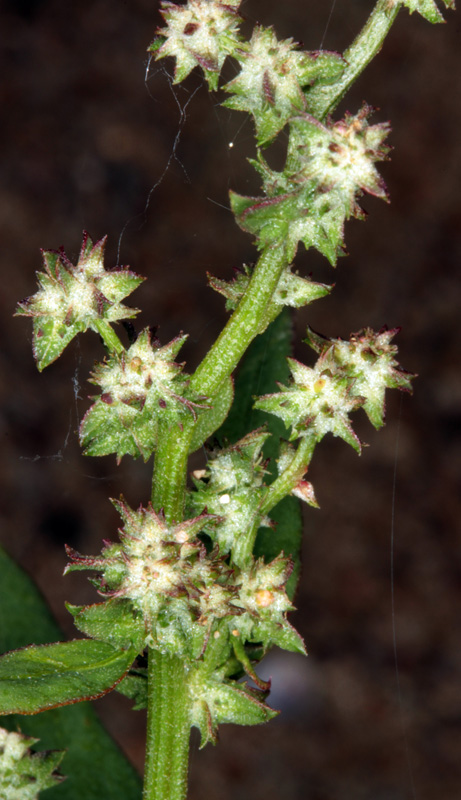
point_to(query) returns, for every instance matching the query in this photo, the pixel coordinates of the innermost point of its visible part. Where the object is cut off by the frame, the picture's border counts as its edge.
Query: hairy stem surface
(168, 729)
(243, 326)
(169, 481)
(324, 99)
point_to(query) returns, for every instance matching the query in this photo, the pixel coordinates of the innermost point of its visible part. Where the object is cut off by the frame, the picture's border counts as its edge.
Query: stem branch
(290, 476)
(109, 337)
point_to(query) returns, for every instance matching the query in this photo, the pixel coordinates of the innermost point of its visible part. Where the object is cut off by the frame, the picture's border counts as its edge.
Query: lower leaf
(41, 677)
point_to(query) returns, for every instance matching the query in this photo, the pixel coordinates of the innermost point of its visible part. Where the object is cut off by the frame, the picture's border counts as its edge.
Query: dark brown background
(83, 144)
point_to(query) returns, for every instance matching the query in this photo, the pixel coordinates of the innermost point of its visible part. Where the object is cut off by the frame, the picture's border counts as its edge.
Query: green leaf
(115, 621)
(94, 766)
(209, 420)
(24, 617)
(47, 676)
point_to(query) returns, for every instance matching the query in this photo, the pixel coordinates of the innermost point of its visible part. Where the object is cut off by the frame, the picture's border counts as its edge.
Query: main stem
(168, 729)
(168, 709)
(323, 100)
(169, 482)
(168, 702)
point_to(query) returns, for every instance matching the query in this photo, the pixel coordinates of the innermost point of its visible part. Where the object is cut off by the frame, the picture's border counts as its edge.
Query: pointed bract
(427, 8)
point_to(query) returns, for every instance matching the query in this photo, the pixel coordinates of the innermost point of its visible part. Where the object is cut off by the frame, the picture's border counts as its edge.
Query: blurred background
(95, 138)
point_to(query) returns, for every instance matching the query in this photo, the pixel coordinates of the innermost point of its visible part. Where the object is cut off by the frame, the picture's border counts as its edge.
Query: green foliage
(94, 767)
(47, 676)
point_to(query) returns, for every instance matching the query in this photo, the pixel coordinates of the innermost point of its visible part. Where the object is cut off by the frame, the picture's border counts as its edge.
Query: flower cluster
(24, 774)
(368, 360)
(165, 590)
(346, 376)
(140, 388)
(72, 299)
(328, 167)
(231, 487)
(272, 76)
(292, 291)
(201, 33)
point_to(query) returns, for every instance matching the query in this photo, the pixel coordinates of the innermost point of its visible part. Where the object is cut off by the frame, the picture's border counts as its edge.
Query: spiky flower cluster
(269, 84)
(201, 33)
(162, 583)
(317, 402)
(346, 376)
(328, 167)
(72, 299)
(368, 359)
(24, 774)
(139, 389)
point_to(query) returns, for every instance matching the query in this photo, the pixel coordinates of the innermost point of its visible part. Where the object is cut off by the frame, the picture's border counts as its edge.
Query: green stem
(170, 470)
(168, 729)
(109, 336)
(279, 489)
(169, 480)
(168, 711)
(168, 701)
(243, 326)
(290, 476)
(322, 100)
